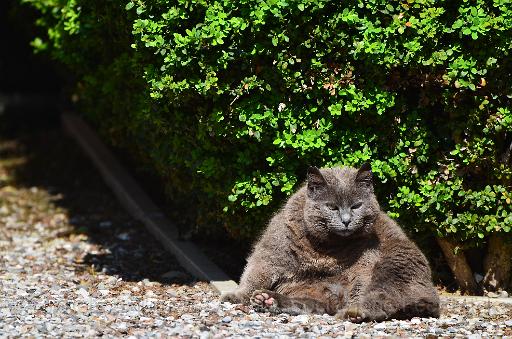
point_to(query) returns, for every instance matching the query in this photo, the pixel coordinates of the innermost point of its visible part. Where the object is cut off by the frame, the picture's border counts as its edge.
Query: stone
(478, 277)
(492, 295)
(187, 317)
(380, 326)
(493, 311)
(105, 223)
(404, 325)
(147, 304)
(302, 318)
(123, 236)
(122, 326)
(104, 292)
(416, 321)
(83, 293)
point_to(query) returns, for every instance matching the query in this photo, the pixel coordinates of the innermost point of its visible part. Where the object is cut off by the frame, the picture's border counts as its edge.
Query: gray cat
(332, 250)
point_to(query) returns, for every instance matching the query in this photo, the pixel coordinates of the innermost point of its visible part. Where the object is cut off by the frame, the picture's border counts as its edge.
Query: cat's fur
(332, 250)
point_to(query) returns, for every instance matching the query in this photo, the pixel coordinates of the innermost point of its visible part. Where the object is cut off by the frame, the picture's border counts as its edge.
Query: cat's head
(340, 201)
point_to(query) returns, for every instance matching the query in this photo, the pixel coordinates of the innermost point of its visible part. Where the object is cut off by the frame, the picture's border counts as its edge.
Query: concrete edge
(140, 206)
(476, 299)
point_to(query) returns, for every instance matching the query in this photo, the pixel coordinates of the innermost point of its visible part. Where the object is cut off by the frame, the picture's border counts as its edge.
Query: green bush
(229, 101)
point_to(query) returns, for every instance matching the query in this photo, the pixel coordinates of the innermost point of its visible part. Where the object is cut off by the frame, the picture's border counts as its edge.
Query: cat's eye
(357, 205)
(332, 207)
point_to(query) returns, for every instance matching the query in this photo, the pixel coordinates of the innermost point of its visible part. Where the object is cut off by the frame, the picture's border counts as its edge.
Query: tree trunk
(459, 266)
(497, 263)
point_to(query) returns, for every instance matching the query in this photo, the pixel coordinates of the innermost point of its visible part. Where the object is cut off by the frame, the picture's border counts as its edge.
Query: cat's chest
(346, 263)
(319, 266)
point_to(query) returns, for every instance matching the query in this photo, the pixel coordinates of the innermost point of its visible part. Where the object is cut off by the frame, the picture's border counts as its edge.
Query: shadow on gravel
(34, 152)
(42, 156)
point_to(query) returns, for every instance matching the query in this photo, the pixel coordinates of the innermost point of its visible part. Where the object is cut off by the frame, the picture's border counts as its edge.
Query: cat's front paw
(354, 313)
(233, 298)
(265, 300)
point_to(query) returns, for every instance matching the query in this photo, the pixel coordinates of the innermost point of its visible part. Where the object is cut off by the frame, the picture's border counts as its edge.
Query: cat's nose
(345, 218)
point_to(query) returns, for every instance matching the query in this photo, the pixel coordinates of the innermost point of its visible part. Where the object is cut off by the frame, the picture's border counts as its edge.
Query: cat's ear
(364, 175)
(316, 182)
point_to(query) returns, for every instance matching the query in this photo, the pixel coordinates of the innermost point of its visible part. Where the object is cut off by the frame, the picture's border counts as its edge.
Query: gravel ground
(73, 264)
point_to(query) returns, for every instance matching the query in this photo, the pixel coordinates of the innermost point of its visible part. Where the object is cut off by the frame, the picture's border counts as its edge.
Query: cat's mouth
(343, 231)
